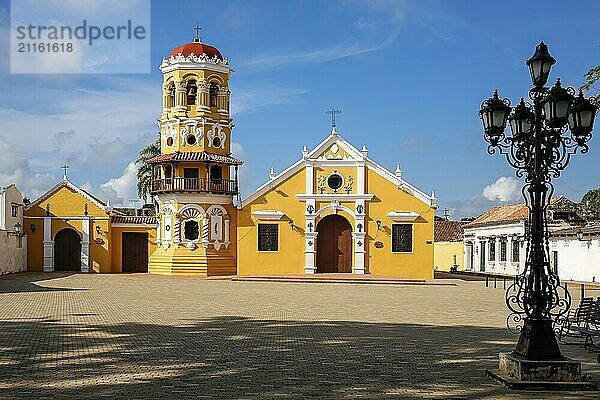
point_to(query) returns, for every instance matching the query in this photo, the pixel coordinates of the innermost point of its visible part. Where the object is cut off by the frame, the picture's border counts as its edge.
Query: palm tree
(144, 173)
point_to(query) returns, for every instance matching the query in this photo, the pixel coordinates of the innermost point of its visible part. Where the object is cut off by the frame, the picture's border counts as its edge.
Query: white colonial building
(575, 253)
(13, 249)
(495, 241)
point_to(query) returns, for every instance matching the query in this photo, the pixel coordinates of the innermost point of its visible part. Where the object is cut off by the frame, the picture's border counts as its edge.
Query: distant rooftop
(449, 231)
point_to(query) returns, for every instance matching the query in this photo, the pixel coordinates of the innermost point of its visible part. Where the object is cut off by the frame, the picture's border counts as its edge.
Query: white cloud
(17, 169)
(505, 189)
(251, 98)
(123, 188)
(325, 54)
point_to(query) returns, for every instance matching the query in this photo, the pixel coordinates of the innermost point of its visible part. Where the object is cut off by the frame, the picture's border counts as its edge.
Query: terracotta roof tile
(504, 214)
(201, 156)
(448, 231)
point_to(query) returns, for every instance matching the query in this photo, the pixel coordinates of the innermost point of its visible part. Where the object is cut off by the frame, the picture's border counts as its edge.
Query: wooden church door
(67, 250)
(334, 245)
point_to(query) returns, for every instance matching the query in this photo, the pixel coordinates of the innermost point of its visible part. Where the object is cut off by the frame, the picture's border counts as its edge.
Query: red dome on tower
(197, 48)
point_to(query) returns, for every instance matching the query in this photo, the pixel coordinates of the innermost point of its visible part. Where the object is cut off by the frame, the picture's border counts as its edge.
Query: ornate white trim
(66, 183)
(335, 196)
(358, 159)
(216, 132)
(218, 219)
(399, 216)
(268, 215)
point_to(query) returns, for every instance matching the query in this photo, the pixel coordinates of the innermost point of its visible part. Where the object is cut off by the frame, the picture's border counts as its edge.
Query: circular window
(191, 140)
(216, 142)
(169, 141)
(335, 181)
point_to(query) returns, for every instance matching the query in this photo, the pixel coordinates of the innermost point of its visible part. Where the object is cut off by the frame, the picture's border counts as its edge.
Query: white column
(158, 229)
(359, 253)
(85, 244)
(176, 231)
(205, 241)
(48, 246)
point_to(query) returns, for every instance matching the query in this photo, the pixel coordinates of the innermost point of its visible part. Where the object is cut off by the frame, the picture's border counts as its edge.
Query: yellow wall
(419, 263)
(444, 253)
(117, 244)
(290, 257)
(66, 209)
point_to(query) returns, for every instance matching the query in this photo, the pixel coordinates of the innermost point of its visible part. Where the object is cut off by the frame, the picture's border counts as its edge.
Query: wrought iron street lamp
(540, 148)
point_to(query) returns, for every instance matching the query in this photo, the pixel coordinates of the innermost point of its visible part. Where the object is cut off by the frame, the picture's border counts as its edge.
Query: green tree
(144, 173)
(592, 76)
(592, 199)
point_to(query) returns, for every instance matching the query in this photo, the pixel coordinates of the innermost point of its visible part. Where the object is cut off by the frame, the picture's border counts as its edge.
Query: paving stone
(137, 336)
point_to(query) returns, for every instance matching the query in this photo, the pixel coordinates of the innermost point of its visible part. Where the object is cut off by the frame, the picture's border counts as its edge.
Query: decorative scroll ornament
(216, 132)
(348, 187)
(218, 226)
(322, 184)
(191, 127)
(169, 132)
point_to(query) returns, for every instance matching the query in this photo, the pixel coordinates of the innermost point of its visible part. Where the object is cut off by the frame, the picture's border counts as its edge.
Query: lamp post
(540, 148)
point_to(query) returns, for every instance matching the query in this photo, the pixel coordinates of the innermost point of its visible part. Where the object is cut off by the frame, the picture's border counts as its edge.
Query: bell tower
(195, 177)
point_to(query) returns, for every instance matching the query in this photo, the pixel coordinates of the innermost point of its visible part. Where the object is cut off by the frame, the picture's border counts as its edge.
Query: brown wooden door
(67, 250)
(135, 252)
(334, 245)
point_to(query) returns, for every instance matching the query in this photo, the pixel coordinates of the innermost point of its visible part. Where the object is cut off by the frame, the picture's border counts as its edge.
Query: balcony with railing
(177, 184)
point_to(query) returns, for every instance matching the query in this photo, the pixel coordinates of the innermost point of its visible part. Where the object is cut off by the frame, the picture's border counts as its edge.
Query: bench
(576, 318)
(591, 326)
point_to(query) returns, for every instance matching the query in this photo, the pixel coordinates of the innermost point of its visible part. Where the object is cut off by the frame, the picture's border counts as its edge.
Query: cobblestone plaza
(140, 336)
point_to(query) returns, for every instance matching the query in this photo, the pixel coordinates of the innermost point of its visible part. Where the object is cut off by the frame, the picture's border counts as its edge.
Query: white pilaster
(359, 253)
(360, 178)
(158, 230)
(48, 246)
(310, 171)
(310, 253)
(205, 241)
(85, 244)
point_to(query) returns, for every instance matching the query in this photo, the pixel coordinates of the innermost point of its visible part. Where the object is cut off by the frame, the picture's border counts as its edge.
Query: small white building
(575, 253)
(495, 241)
(13, 247)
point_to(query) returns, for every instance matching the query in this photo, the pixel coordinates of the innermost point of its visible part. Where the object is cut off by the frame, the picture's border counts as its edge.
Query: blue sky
(408, 75)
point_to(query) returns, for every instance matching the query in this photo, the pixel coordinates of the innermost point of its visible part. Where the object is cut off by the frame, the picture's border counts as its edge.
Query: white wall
(12, 258)
(577, 260)
(494, 233)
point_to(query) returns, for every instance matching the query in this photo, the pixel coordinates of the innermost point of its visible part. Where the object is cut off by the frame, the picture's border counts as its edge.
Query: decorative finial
(65, 167)
(304, 152)
(398, 172)
(272, 174)
(197, 29)
(333, 113)
(85, 210)
(364, 150)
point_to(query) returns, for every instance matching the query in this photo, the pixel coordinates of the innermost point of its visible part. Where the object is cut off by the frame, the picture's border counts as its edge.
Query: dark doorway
(135, 252)
(334, 245)
(67, 250)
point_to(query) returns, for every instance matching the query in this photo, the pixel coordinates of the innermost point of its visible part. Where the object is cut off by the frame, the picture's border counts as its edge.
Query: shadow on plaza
(28, 282)
(231, 357)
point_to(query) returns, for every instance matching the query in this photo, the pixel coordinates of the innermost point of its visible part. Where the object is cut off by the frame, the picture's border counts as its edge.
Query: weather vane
(65, 167)
(333, 113)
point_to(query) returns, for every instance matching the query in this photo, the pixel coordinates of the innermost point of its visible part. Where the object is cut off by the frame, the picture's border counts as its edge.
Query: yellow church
(333, 211)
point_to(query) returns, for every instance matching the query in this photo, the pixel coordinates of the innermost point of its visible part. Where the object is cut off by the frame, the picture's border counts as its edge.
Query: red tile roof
(448, 231)
(505, 214)
(201, 156)
(138, 220)
(197, 48)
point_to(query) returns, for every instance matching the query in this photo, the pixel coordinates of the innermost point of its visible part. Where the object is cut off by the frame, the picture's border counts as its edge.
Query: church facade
(334, 211)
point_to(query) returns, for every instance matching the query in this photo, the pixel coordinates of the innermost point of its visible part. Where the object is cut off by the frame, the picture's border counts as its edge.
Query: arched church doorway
(334, 244)
(67, 250)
